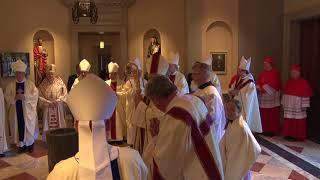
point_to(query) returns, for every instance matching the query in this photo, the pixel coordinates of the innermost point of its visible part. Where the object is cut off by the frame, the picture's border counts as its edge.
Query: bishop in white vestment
(213, 77)
(239, 148)
(134, 85)
(242, 88)
(117, 123)
(176, 77)
(96, 159)
(184, 146)
(211, 97)
(22, 98)
(84, 67)
(144, 113)
(52, 95)
(3, 139)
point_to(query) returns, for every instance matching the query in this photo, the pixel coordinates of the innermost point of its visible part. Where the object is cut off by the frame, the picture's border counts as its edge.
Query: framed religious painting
(219, 62)
(7, 58)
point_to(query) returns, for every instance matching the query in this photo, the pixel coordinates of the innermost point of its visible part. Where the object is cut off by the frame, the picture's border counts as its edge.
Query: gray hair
(159, 86)
(205, 68)
(236, 103)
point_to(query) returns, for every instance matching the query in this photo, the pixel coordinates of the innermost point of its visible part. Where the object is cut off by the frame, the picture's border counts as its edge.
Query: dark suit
(71, 80)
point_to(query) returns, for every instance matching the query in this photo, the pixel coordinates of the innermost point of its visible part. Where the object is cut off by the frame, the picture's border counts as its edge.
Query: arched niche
(47, 43)
(43, 48)
(146, 42)
(218, 38)
(219, 41)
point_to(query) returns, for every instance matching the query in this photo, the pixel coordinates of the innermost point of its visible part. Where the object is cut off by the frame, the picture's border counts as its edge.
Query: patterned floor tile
(275, 171)
(38, 152)
(256, 167)
(297, 176)
(260, 176)
(39, 172)
(295, 148)
(9, 172)
(40, 169)
(264, 153)
(275, 162)
(290, 165)
(264, 159)
(22, 176)
(4, 164)
(269, 165)
(18, 159)
(311, 150)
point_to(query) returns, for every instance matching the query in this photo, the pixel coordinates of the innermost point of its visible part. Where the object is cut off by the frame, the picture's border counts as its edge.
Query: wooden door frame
(291, 41)
(291, 37)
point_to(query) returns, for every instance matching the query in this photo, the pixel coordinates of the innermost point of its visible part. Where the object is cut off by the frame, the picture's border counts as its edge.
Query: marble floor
(282, 159)
(271, 165)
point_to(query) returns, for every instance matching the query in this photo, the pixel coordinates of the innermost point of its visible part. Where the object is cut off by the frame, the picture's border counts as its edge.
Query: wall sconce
(101, 44)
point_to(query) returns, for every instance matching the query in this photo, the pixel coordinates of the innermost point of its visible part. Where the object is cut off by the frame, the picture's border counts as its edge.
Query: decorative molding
(107, 3)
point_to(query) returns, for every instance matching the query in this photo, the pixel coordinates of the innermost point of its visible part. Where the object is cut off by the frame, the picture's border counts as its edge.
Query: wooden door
(310, 61)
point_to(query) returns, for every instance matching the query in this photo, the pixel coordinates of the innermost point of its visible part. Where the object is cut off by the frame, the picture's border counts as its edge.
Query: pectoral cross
(20, 91)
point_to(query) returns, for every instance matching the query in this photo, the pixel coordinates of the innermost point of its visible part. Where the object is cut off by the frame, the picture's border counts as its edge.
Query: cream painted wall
(167, 17)
(183, 27)
(199, 16)
(219, 39)
(261, 32)
(20, 20)
(298, 5)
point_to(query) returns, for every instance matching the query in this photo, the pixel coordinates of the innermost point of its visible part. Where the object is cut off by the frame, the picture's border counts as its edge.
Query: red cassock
(296, 90)
(111, 123)
(269, 100)
(233, 80)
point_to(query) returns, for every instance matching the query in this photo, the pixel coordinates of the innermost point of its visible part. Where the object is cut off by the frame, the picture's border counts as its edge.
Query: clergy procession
(155, 125)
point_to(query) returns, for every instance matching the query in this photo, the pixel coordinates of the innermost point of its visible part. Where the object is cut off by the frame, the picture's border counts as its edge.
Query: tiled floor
(269, 166)
(25, 166)
(272, 166)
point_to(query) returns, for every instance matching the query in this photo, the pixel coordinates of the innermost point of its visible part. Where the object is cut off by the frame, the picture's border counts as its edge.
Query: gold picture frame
(219, 62)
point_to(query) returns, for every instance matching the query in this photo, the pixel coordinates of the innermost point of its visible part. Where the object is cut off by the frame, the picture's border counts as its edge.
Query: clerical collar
(21, 81)
(230, 120)
(205, 85)
(248, 76)
(173, 74)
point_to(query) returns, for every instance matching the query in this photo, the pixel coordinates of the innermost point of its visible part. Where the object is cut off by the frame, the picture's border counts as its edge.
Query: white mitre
(84, 65)
(51, 68)
(245, 63)
(113, 67)
(163, 66)
(19, 66)
(91, 102)
(174, 58)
